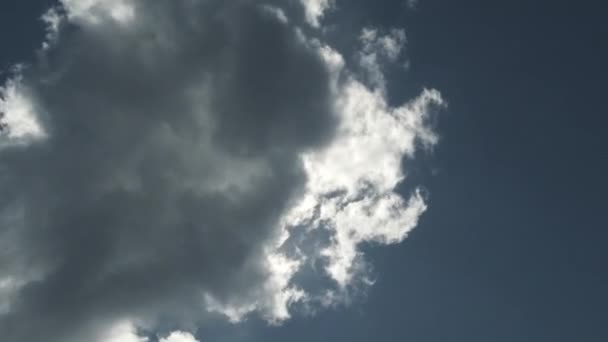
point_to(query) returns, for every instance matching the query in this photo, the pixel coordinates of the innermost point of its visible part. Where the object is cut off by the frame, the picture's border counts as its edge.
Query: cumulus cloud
(173, 160)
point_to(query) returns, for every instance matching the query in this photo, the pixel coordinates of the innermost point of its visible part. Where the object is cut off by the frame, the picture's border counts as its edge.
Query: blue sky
(512, 246)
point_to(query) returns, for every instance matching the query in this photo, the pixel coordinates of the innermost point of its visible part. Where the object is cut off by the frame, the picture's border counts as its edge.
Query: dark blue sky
(514, 245)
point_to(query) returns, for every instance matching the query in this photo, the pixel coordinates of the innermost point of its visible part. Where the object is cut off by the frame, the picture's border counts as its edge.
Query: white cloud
(126, 331)
(277, 13)
(52, 20)
(379, 49)
(351, 183)
(122, 332)
(315, 10)
(179, 336)
(272, 300)
(350, 188)
(18, 114)
(277, 288)
(95, 11)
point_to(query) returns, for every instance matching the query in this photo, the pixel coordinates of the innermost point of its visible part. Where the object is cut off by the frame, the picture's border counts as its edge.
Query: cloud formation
(314, 10)
(172, 160)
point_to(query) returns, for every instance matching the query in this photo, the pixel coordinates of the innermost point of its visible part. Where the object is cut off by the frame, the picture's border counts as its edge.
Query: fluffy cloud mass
(168, 161)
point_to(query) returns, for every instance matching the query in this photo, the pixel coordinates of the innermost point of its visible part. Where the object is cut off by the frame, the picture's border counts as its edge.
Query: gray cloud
(162, 138)
(178, 147)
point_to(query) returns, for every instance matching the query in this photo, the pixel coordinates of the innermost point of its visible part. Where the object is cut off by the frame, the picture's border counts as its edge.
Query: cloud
(126, 331)
(98, 11)
(377, 50)
(315, 10)
(351, 182)
(179, 336)
(17, 114)
(122, 332)
(412, 4)
(169, 161)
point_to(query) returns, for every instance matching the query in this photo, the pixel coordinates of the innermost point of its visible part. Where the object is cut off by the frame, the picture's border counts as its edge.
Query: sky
(303, 170)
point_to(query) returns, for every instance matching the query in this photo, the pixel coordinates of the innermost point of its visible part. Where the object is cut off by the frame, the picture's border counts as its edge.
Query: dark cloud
(163, 162)
(172, 151)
